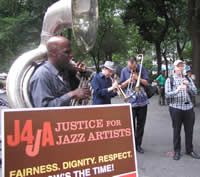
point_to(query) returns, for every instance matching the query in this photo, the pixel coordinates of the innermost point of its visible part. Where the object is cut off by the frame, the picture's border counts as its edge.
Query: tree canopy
(163, 30)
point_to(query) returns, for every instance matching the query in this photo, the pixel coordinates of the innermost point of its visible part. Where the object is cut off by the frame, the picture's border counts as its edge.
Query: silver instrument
(85, 82)
(130, 89)
(81, 16)
(130, 85)
(136, 92)
(119, 90)
(185, 98)
(137, 87)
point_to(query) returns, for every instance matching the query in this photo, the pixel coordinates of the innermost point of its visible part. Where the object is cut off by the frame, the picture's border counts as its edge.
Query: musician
(140, 101)
(102, 85)
(179, 89)
(49, 86)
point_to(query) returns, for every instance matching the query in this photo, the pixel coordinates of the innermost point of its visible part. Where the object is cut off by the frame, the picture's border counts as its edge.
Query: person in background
(50, 85)
(191, 76)
(155, 84)
(161, 85)
(178, 90)
(103, 88)
(139, 102)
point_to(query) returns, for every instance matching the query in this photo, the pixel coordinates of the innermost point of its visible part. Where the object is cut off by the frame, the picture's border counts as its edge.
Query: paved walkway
(157, 143)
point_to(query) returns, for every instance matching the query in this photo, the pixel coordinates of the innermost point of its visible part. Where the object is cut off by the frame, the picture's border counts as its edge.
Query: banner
(69, 142)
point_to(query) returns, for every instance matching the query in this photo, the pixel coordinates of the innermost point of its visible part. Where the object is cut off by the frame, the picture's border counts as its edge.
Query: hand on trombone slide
(114, 86)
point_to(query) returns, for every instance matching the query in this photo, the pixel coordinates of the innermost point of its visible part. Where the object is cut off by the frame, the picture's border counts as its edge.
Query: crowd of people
(52, 86)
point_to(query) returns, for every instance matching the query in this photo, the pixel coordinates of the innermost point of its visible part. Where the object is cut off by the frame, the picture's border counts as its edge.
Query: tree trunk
(196, 56)
(110, 56)
(166, 64)
(179, 50)
(96, 63)
(194, 19)
(159, 57)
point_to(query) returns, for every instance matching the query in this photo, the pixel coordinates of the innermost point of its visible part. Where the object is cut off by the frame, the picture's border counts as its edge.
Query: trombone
(130, 84)
(119, 90)
(137, 87)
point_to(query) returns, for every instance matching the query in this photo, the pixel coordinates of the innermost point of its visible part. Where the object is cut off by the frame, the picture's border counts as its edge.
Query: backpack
(170, 100)
(150, 90)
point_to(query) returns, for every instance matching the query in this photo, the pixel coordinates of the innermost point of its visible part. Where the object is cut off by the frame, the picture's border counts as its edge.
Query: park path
(157, 143)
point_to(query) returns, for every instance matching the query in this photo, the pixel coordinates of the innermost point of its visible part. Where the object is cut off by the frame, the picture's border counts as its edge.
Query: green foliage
(148, 22)
(16, 36)
(20, 26)
(160, 22)
(187, 53)
(150, 16)
(148, 63)
(152, 20)
(21, 23)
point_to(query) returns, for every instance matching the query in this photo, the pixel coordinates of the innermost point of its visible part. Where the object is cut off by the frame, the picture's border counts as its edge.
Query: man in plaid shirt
(178, 90)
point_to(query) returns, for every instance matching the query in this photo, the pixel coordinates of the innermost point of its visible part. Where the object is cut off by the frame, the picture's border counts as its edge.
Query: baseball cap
(177, 62)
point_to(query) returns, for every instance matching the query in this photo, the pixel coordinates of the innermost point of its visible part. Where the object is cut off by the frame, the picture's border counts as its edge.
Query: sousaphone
(80, 15)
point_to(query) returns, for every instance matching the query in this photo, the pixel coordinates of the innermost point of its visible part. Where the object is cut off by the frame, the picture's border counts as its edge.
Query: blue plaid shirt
(179, 99)
(138, 99)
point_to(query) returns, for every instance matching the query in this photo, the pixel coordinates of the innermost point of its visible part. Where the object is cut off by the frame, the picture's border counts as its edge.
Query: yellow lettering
(19, 173)
(12, 173)
(115, 156)
(42, 169)
(29, 171)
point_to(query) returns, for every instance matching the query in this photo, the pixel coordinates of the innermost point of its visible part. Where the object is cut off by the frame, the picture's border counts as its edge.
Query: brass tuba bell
(81, 16)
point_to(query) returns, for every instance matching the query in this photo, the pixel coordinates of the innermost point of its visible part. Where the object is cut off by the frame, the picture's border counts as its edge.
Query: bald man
(48, 87)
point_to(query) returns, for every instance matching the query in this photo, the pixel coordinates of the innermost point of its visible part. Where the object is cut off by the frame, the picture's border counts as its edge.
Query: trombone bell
(137, 89)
